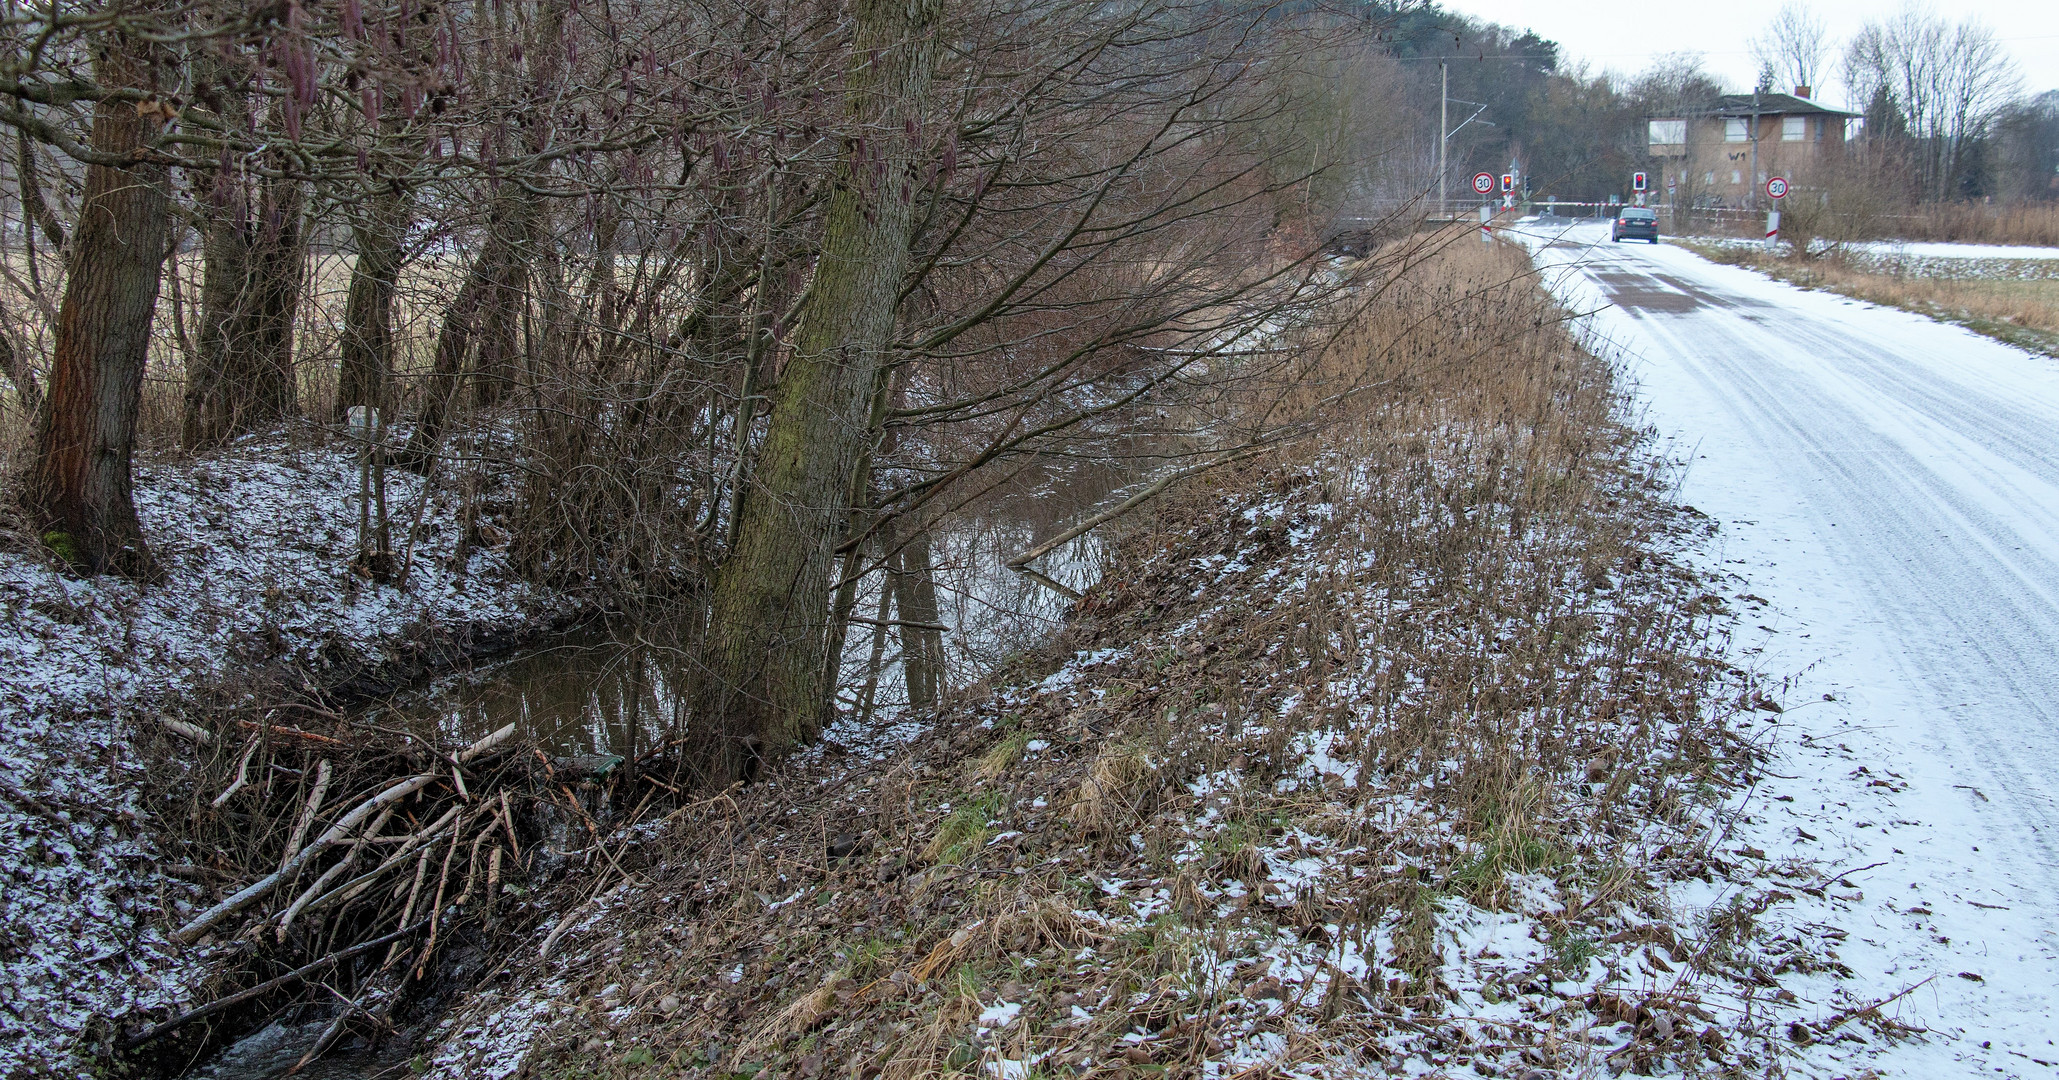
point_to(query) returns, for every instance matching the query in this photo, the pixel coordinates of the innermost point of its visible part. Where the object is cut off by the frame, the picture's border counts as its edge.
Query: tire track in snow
(1894, 486)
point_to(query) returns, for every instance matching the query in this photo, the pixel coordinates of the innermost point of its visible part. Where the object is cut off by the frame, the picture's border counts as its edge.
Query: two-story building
(1721, 153)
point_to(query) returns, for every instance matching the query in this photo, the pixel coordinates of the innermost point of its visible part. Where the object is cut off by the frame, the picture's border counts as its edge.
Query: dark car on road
(1635, 223)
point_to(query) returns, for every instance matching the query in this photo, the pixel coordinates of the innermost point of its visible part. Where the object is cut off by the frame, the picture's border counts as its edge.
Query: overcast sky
(1624, 37)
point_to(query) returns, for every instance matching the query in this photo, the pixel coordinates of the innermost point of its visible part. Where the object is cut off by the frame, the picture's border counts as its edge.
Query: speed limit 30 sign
(1776, 188)
(1483, 183)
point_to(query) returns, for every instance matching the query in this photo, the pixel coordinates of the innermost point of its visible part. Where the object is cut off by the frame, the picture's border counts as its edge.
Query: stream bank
(256, 603)
(1412, 752)
(258, 620)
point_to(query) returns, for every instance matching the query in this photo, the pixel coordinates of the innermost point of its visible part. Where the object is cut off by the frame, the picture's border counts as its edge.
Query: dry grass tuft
(795, 1020)
(1113, 795)
(996, 762)
(1036, 924)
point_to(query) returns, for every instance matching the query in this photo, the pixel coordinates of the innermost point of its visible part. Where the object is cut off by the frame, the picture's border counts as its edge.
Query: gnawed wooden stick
(308, 811)
(342, 865)
(414, 892)
(363, 881)
(485, 744)
(257, 890)
(242, 775)
(507, 821)
(436, 906)
(193, 732)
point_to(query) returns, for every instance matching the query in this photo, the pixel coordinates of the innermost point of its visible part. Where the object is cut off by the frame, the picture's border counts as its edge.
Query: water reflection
(617, 690)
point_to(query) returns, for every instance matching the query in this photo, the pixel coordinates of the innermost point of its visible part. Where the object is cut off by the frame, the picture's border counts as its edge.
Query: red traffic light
(1508, 181)
(1637, 181)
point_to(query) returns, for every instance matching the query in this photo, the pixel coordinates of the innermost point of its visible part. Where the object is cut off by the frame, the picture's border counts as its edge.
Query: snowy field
(255, 544)
(1927, 250)
(1994, 262)
(1888, 486)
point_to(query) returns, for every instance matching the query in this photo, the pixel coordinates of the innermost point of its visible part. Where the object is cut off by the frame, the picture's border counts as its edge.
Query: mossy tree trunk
(770, 668)
(79, 490)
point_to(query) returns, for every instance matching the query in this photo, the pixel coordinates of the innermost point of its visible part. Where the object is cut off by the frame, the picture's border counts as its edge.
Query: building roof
(1769, 104)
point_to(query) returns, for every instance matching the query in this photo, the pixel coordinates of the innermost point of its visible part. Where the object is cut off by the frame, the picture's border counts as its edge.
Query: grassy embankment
(1393, 748)
(2015, 301)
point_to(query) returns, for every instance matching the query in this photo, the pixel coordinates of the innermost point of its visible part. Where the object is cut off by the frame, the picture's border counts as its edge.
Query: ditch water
(611, 690)
(605, 691)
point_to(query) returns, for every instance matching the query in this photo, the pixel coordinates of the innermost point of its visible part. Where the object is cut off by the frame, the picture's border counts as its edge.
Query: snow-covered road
(1889, 487)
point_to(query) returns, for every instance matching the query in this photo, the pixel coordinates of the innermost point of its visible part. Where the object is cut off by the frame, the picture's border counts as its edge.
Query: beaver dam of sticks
(394, 867)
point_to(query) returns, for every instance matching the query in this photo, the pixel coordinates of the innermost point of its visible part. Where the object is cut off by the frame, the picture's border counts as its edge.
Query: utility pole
(1754, 176)
(1443, 131)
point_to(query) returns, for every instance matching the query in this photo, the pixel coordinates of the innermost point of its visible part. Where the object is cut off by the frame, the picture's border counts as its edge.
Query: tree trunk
(490, 293)
(915, 599)
(255, 263)
(79, 487)
(34, 207)
(16, 368)
(367, 342)
(769, 673)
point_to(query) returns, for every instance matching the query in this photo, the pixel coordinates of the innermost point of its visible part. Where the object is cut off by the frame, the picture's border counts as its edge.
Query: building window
(1668, 133)
(1735, 130)
(1709, 177)
(1794, 128)
(1736, 177)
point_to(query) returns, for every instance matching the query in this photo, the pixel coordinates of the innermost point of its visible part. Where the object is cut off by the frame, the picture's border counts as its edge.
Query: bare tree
(1945, 83)
(1792, 47)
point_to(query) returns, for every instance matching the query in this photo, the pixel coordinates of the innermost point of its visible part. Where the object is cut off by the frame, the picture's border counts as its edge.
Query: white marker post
(1486, 217)
(1776, 189)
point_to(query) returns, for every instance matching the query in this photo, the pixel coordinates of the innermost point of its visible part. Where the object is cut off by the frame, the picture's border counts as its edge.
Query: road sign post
(1776, 189)
(1486, 227)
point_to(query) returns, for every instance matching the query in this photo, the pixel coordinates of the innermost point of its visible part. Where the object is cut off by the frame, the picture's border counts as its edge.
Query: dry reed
(1483, 626)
